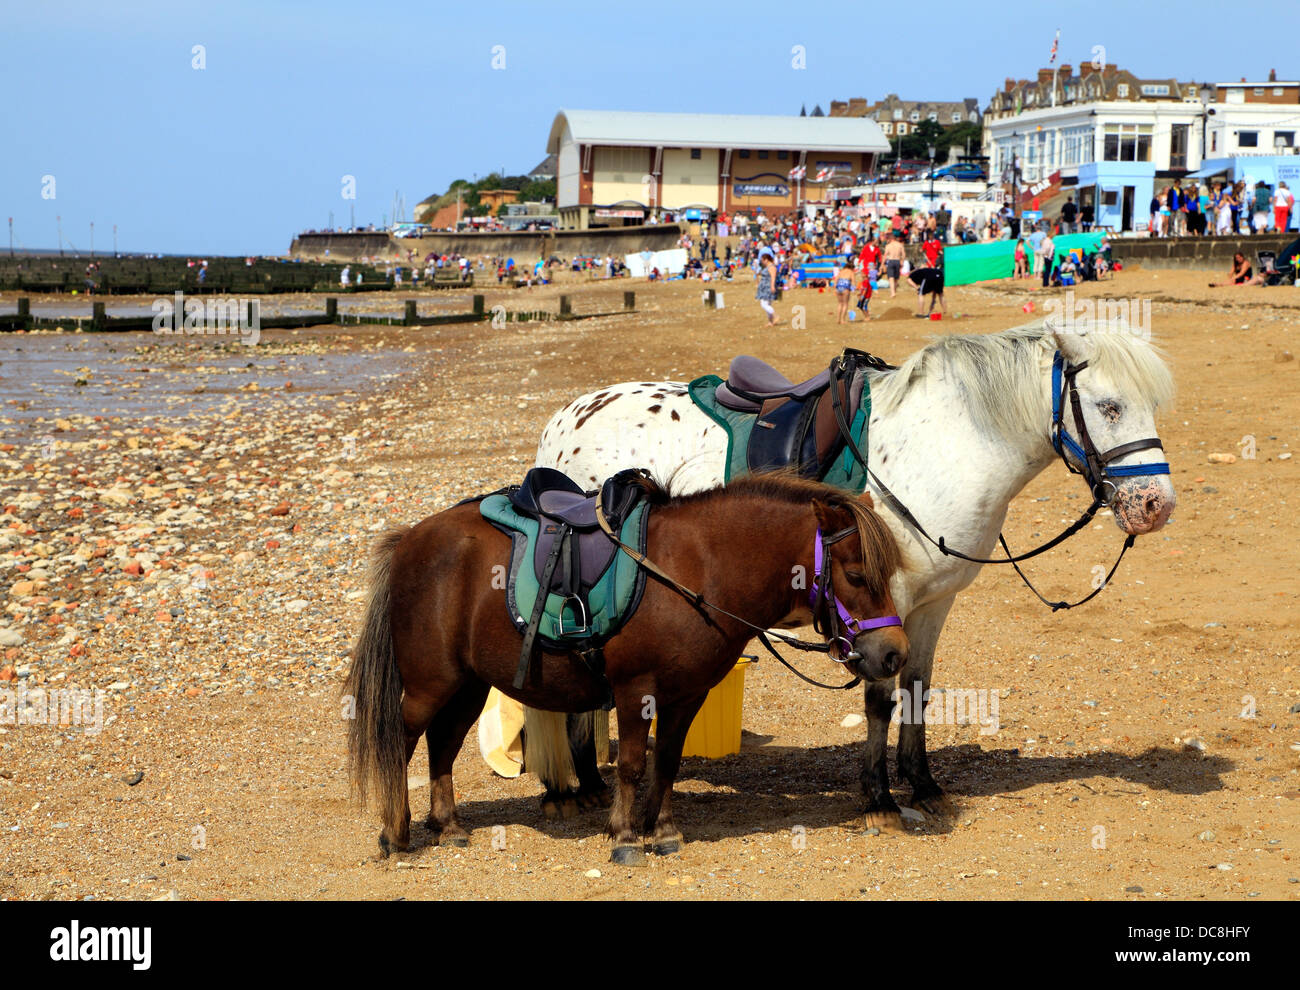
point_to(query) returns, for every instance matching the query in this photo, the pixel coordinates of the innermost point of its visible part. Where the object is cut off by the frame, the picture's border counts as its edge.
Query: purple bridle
(822, 592)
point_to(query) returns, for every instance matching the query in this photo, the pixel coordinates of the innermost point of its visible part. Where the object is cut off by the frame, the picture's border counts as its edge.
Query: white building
(1110, 138)
(617, 168)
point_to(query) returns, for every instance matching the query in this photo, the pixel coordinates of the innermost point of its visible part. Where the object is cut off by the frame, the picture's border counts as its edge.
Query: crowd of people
(1224, 209)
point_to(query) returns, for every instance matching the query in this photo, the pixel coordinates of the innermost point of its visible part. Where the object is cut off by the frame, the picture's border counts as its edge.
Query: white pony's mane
(999, 374)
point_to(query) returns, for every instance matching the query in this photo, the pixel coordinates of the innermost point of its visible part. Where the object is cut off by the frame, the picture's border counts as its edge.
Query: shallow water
(134, 377)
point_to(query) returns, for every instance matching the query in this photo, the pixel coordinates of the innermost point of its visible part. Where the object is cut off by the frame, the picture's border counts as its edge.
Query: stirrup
(575, 630)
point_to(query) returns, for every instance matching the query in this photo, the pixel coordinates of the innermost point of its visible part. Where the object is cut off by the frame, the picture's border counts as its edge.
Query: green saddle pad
(843, 471)
(609, 601)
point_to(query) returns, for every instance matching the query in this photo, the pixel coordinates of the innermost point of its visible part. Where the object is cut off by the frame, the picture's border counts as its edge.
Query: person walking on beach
(1022, 261)
(1282, 203)
(766, 292)
(844, 289)
(894, 255)
(1048, 248)
(1068, 212)
(929, 282)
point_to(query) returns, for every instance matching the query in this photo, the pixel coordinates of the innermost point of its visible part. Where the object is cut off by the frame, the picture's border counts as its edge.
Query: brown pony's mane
(881, 556)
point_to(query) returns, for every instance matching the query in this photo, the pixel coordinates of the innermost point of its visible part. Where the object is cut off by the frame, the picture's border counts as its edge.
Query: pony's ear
(830, 518)
(1073, 344)
(867, 500)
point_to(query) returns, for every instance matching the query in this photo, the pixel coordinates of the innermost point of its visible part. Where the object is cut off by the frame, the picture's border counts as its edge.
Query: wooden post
(629, 300)
(25, 313)
(99, 318)
(711, 299)
(411, 318)
(478, 305)
(331, 309)
(566, 307)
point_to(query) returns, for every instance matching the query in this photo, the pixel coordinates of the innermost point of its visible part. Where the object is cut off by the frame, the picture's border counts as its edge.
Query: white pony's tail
(546, 749)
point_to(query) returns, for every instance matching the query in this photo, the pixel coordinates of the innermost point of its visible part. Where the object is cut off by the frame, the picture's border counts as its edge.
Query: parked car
(962, 171)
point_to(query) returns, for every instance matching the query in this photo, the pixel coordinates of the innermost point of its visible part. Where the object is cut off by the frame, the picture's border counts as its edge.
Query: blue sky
(237, 156)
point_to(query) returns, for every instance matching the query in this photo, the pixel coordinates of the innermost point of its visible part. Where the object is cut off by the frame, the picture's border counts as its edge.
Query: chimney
(1066, 70)
(1109, 70)
(1044, 75)
(1272, 75)
(1009, 85)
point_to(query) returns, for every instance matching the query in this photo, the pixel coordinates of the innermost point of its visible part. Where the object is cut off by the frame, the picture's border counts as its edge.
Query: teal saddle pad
(840, 468)
(598, 604)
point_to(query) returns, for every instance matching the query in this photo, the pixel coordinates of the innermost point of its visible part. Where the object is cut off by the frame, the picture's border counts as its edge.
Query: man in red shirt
(870, 254)
(932, 247)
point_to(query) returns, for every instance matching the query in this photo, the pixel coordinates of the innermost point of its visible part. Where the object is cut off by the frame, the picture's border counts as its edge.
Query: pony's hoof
(667, 847)
(884, 822)
(628, 856)
(568, 808)
(551, 809)
(387, 847)
(936, 803)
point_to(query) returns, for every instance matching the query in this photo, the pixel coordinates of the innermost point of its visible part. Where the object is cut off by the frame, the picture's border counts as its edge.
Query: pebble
(852, 719)
(1206, 836)
(592, 874)
(1222, 458)
(134, 778)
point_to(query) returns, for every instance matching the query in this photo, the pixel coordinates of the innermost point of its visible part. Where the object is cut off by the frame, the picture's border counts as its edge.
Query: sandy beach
(185, 527)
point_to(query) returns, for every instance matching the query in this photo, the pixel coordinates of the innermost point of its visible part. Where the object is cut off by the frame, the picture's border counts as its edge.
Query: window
(934, 116)
(914, 116)
(956, 118)
(1155, 90)
(744, 154)
(1259, 90)
(1121, 90)
(898, 114)
(621, 164)
(1178, 145)
(1287, 138)
(1248, 139)
(888, 127)
(762, 155)
(902, 128)
(1127, 143)
(695, 153)
(782, 155)
(1277, 90)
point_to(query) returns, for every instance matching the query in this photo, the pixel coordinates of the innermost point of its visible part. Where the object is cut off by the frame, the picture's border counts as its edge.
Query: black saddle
(567, 514)
(803, 426)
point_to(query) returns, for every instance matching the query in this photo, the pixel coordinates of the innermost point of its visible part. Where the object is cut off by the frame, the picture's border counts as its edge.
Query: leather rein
(1098, 470)
(830, 617)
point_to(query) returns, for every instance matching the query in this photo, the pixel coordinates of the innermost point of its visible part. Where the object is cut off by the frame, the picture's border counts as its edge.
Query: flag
(797, 173)
(825, 174)
(1055, 43)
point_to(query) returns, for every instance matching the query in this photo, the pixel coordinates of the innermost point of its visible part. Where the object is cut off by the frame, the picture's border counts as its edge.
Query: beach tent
(967, 263)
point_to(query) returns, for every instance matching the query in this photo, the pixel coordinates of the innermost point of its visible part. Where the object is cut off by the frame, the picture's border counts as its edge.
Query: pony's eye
(855, 576)
(1110, 410)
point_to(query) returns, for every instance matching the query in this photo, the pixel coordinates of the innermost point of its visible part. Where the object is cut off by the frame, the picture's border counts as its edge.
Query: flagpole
(1055, 65)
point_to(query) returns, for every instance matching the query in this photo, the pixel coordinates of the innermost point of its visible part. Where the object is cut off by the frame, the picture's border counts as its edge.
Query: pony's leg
(669, 740)
(592, 790)
(882, 810)
(923, 627)
(417, 713)
(633, 736)
(445, 736)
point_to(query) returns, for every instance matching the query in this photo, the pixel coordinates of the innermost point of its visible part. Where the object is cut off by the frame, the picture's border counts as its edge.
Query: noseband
(830, 618)
(1098, 470)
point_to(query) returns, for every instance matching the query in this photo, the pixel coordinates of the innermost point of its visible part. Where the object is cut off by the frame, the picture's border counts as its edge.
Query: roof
(717, 130)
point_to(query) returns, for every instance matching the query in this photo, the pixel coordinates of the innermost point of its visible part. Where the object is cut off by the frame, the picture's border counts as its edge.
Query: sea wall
(520, 245)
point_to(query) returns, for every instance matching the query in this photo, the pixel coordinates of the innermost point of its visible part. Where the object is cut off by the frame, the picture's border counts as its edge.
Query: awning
(1213, 168)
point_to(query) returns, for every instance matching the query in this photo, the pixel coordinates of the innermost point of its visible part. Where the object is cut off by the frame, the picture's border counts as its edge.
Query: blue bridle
(1097, 467)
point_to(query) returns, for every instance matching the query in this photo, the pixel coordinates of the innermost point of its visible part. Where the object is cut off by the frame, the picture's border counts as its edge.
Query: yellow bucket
(716, 730)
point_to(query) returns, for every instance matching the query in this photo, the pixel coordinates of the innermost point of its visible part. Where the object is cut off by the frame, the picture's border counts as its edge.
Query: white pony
(956, 432)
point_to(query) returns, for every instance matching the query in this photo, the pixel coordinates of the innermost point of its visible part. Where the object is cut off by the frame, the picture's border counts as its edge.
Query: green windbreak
(969, 263)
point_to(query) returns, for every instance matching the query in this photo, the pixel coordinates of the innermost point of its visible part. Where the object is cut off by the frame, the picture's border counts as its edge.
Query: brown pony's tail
(373, 694)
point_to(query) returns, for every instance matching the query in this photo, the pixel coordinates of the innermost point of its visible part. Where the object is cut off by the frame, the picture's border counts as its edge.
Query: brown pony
(437, 635)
